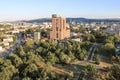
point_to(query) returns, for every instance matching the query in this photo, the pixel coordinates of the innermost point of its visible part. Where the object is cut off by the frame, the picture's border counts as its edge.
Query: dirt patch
(105, 62)
(56, 68)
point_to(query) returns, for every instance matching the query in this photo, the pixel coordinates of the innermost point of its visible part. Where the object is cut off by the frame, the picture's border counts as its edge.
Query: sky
(33, 9)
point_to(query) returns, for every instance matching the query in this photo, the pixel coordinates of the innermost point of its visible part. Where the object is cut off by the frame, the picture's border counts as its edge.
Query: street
(13, 47)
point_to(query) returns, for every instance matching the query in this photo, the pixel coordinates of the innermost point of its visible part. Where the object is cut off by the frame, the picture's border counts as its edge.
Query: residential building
(59, 29)
(10, 39)
(0, 48)
(6, 44)
(37, 35)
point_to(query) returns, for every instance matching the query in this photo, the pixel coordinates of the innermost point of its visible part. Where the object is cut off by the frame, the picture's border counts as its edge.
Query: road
(78, 70)
(90, 56)
(13, 47)
(91, 51)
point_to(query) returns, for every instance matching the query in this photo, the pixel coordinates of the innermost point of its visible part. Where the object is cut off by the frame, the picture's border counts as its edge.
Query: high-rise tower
(59, 29)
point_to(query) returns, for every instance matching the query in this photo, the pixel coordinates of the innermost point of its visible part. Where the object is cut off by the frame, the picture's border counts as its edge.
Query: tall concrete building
(59, 29)
(37, 35)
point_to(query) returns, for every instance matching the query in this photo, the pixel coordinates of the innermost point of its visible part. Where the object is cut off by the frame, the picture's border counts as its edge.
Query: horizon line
(50, 18)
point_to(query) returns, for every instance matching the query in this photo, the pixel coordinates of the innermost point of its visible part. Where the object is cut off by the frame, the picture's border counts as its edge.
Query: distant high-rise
(59, 29)
(36, 35)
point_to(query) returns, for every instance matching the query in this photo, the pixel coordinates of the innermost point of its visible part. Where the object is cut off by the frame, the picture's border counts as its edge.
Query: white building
(0, 48)
(72, 34)
(6, 44)
(37, 35)
(8, 39)
(78, 39)
(15, 31)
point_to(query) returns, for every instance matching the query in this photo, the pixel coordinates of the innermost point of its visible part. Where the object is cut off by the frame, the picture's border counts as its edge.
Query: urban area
(60, 48)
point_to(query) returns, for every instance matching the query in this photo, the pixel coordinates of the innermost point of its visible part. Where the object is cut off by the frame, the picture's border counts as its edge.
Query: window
(57, 35)
(64, 24)
(56, 28)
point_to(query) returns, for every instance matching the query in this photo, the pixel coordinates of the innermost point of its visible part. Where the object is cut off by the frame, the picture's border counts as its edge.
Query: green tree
(30, 31)
(7, 70)
(26, 78)
(29, 45)
(81, 54)
(108, 49)
(32, 58)
(115, 71)
(97, 59)
(64, 58)
(16, 61)
(109, 39)
(51, 58)
(90, 70)
(30, 71)
(20, 51)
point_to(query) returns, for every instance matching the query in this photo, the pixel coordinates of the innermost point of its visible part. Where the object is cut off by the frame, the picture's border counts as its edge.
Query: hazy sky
(31, 9)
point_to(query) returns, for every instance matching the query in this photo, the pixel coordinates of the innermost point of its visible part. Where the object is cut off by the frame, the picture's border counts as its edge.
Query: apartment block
(37, 35)
(59, 29)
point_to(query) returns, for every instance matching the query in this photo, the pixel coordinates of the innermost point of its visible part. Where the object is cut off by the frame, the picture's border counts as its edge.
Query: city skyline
(29, 9)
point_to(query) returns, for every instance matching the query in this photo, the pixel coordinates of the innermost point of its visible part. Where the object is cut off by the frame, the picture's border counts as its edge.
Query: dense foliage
(24, 62)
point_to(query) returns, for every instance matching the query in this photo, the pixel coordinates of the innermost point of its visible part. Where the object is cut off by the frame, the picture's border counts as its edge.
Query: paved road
(78, 69)
(91, 51)
(89, 57)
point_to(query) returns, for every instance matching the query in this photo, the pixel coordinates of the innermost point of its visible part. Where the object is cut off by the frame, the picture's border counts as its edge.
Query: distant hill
(39, 20)
(74, 19)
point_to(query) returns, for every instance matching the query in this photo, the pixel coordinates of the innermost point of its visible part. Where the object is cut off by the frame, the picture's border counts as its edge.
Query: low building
(78, 39)
(6, 44)
(8, 39)
(15, 31)
(73, 34)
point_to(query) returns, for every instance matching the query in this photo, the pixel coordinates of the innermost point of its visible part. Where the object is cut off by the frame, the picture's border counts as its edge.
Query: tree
(31, 58)
(109, 39)
(97, 59)
(90, 70)
(118, 59)
(115, 71)
(29, 44)
(116, 39)
(30, 71)
(108, 49)
(15, 38)
(64, 58)
(30, 31)
(20, 51)
(71, 55)
(16, 61)
(81, 54)
(7, 70)
(51, 58)
(26, 78)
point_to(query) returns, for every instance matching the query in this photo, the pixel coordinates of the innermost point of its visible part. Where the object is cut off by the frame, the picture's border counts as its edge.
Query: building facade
(37, 35)
(59, 29)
